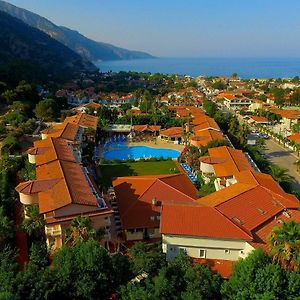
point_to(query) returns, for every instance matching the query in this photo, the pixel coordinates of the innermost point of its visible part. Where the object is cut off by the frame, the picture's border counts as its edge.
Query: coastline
(246, 68)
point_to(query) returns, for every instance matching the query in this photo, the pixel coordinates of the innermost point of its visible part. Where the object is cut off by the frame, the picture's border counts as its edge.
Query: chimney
(154, 201)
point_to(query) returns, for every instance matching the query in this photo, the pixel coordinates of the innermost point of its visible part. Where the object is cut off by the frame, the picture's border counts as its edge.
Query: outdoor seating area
(189, 172)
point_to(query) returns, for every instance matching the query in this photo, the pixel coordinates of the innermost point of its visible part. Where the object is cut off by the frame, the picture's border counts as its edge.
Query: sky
(182, 28)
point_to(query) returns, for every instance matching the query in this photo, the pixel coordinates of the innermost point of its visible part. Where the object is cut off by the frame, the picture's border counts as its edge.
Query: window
(151, 231)
(202, 253)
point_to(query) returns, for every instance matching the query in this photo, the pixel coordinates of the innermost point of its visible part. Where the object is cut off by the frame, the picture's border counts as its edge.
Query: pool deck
(158, 144)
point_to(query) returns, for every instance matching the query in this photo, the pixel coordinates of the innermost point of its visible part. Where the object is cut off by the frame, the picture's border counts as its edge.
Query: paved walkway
(284, 158)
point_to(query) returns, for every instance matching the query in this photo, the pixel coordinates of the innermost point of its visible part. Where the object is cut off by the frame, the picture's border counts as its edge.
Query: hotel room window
(202, 253)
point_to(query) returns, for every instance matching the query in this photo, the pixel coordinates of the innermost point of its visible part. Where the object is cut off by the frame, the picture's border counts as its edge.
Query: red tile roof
(209, 123)
(259, 119)
(223, 267)
(174, 132)
(295, 137)
(142, 128)
(203, 137)
(199, 221)
(235, 161)
(286, 113)
(66, 131)
(72, 188)
(249, 211)
(135, 195)
(53, 149)
(36, 186)
(83, 120)
(262, 232)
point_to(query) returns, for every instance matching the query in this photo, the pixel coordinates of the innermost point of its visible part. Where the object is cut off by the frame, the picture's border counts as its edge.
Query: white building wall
(226, 249)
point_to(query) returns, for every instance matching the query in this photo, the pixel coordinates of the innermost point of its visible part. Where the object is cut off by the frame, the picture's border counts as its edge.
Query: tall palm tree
(79, 230)
(285, 245)
(280, 175)
(33, 224)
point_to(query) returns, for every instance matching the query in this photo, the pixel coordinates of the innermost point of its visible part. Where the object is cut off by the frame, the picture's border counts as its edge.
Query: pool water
(136, 152)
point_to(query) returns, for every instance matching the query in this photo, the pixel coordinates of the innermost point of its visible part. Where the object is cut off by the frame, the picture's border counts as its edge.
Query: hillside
(27, 53)
(87, 48)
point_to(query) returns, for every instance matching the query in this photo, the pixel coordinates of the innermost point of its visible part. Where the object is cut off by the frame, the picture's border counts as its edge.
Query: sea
(244, 67)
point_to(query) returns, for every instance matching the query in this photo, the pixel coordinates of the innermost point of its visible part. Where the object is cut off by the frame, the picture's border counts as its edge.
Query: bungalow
(223, 163)
(172, 134)
(146, 129)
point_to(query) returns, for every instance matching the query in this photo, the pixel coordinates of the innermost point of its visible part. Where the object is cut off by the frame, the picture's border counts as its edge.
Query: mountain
(30, 54)
(87, 48)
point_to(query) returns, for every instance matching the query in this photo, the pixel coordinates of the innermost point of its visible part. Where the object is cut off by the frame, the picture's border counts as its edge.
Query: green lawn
(136, 168)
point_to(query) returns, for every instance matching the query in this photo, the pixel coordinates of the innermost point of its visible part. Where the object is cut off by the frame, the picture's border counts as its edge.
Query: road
(283, 158)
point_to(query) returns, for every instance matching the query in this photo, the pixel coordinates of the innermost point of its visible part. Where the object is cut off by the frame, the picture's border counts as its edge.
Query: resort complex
(126, 175)
(212, 201)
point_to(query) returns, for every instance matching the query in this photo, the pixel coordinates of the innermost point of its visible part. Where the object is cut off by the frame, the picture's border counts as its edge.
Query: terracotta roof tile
(235, 161)
(83, 120)
(53, 149)
(256, 178)
(295, 137)
(203, 137)
(262, 232)
(259, 119)
(135, 195)
(72, 188)
(198, 221)
(209, 123)
(223, 267)
(172, 132)
(142, 128)
(36, 186)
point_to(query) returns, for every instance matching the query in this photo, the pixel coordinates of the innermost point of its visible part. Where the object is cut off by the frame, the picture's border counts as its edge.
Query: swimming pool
(136, 152)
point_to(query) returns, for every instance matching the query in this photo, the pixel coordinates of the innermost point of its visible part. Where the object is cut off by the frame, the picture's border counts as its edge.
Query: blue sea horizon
(209, 66)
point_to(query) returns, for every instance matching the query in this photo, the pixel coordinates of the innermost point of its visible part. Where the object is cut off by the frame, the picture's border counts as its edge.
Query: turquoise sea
(244, 67)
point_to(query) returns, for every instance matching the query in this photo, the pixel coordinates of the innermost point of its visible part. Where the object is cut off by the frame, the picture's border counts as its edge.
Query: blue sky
(183, 28)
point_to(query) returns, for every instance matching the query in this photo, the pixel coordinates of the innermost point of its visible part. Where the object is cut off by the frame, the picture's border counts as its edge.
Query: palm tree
(285, 245)
(80, 230)
(261, 144)
(280, 175)
(33, 223)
